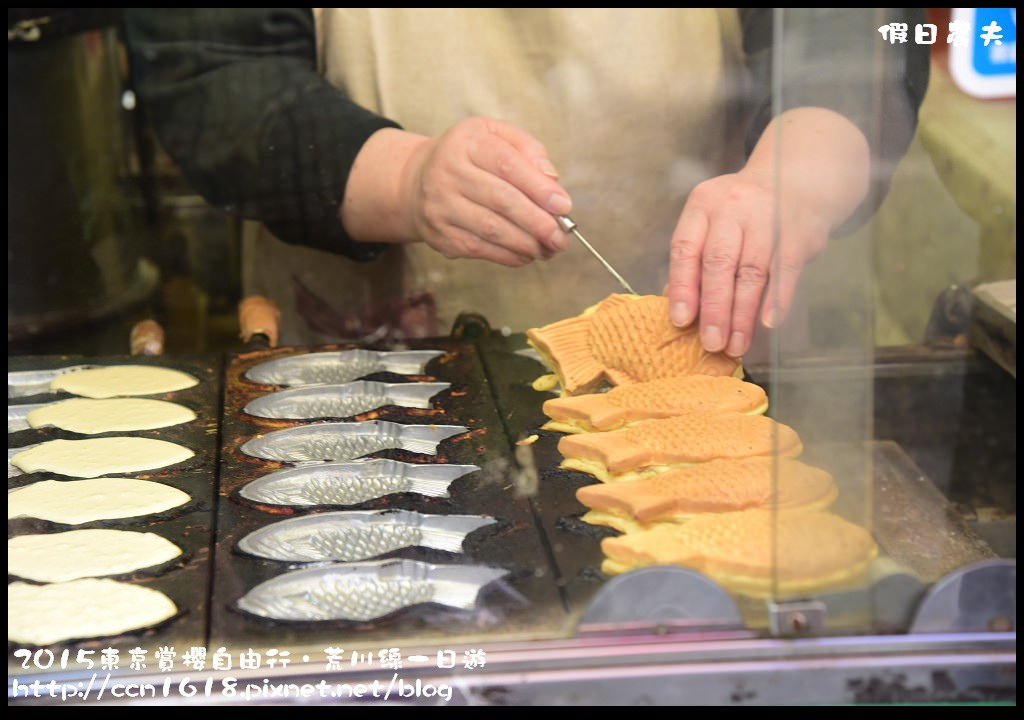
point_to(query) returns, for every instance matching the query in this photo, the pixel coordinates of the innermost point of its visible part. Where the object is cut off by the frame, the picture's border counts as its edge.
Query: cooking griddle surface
(185, 580)
(524, 604)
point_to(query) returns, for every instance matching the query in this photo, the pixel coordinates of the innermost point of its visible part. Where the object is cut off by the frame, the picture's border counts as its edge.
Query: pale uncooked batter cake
(123, 381)
(94, 457)
(73, 502)
(89, 417)
(63, 556)
(45, 614)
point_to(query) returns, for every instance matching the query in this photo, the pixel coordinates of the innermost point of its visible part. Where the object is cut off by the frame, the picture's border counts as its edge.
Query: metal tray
(186, 580)
(526, 603)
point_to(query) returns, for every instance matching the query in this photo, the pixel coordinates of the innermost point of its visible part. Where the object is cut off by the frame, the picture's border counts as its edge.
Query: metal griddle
(921, 535)
(185, 580)
(526, 602)
(552, 557)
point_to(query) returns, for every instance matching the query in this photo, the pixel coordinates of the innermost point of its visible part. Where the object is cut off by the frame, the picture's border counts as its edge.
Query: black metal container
(72, 255)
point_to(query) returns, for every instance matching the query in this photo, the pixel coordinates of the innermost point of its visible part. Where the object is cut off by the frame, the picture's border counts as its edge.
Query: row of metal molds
(173, 505)
(366, 498)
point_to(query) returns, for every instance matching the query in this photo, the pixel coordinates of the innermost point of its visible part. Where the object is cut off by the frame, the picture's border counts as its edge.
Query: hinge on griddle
(660, 599)
(797, 617)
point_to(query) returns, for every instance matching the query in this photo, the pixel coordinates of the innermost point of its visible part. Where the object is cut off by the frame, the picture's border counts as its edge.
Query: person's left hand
(725, 263)
(723, 260)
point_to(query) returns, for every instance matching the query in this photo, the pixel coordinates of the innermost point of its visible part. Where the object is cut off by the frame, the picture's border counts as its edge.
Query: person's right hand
(483, 189)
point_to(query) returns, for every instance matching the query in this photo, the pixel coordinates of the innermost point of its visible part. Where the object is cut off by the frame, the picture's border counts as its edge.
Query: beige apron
(635, 107)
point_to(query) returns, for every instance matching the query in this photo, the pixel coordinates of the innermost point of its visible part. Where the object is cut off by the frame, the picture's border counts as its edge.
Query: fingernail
(680, 314)
(711, 338)
(559, 204)
(771, 318)
(737, 345)
(547, 168)
(558, 240)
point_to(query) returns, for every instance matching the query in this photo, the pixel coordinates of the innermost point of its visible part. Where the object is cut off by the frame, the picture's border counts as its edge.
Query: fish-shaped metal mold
(347, 441)
(329, 368)
(366, 591)
(343, 484)
(352, 535)
(24, 383)
(341, 401)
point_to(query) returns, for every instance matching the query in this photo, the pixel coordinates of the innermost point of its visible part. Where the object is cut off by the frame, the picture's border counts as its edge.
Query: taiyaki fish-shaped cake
(89, 416)
(96, 381)
(79, 609)
(624, 339)
(803, 552)
(94, 457)
(652, 446)
(92, 552)
(660, 398)
(75, 502)
(712, 487)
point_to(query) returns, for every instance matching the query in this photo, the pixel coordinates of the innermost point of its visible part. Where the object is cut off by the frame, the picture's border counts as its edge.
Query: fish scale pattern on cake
(624, 339)
(746, 550)
(636, 341)
(696, 391)
(659, 398)
(700, 436)
(716, 486)
(693, 437)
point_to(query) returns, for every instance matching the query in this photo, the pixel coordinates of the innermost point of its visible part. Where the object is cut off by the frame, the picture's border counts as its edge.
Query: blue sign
(998, 56)
(986, 64)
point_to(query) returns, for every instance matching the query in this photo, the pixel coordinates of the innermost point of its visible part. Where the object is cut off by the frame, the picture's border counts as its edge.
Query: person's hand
(483, 189)
(725, 266)
(722, 259)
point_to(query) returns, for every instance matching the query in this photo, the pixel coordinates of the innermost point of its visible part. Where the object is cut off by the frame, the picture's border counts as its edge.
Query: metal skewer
(568, 225)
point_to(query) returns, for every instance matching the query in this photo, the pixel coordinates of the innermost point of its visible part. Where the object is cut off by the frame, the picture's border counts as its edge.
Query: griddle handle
(259, 319)
(470, 326)
(146, 338)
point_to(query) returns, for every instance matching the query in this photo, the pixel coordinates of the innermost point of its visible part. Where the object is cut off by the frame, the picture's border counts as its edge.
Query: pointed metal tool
(568, 225)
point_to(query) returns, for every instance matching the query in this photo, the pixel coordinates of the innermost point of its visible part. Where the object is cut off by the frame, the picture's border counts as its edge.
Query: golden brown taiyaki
(624, 339)
(652, 446)
(712, 487)
(665, 397)
(803, 552)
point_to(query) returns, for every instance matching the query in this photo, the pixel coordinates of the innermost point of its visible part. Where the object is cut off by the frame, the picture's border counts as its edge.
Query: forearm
(743, 234)
(833, 58)
(815, 158)
(237, 102)
(375, 208)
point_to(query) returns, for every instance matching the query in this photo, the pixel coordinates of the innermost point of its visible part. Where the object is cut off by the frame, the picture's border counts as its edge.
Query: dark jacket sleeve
(835, 58)
(237, 102)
